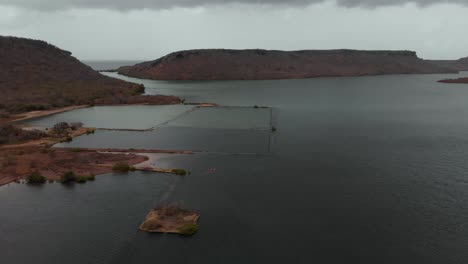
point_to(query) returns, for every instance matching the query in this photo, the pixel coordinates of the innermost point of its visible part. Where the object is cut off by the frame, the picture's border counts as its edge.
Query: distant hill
(35, 75)
(460, 65)
(221, 64)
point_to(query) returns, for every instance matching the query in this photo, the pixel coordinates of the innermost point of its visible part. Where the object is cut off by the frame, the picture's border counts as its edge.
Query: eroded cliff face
(219, 64)
(35, 75)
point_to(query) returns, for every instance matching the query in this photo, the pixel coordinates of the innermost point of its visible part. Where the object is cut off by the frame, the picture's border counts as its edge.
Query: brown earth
(220, 64)
(35, 75)
(25, 157)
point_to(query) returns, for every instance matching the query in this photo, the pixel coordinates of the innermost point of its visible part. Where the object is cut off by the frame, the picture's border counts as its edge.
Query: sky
(149, 29)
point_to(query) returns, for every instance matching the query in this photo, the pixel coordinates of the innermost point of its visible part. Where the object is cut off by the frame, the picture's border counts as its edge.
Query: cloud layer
(124, 5)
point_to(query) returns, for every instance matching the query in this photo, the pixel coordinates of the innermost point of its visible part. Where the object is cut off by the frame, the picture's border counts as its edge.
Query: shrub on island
(81, 179)
(68, 177)
(139, 90)
(180, 172)
(71, 177)
(123, 167)
(36, 178)
(188, 229)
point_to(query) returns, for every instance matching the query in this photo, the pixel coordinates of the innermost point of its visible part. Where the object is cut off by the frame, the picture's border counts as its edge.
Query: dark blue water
(360, 170)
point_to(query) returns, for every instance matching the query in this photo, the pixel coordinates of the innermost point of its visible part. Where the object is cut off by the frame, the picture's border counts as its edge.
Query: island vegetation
(171, 219)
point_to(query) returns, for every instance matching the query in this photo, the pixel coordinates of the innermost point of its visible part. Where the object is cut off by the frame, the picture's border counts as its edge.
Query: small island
(459, 80)
(171, 219)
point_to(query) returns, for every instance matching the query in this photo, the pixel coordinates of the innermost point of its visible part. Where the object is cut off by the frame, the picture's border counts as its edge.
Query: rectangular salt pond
(167, 138)
(225, 117)
(116, 117)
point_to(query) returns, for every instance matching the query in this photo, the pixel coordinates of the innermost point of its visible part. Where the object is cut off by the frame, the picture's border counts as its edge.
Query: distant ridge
(257, 64)
(460, 65)
(35, 75)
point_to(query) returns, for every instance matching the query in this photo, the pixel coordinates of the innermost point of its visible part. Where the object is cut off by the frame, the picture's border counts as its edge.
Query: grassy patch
(188, 229)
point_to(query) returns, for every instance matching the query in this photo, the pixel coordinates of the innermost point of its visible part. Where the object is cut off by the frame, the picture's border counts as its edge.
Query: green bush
(121, 167)
(179, 172)
(188, 229)
(81, 179)
(139, 90)
(68, 177)
(36, 178)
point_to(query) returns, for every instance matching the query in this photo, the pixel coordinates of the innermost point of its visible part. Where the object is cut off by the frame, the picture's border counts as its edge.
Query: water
(360, 170)
(117, 117)
(109, 65)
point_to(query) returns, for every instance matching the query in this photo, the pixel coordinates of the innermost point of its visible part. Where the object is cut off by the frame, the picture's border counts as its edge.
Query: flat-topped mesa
(223, 64)
(35, 75)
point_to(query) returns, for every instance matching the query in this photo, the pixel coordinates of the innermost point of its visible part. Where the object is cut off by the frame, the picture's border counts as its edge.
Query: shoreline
(40, 113)
(22, 159)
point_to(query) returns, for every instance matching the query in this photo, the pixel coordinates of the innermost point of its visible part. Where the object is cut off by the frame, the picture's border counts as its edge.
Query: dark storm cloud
(165, 4)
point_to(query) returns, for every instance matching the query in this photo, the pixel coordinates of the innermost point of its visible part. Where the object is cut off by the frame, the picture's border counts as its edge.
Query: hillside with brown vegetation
(35, 75)
(220, 64)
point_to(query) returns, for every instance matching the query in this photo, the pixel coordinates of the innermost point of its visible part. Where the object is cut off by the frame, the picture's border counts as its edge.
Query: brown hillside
(35, 75)
(263, 64)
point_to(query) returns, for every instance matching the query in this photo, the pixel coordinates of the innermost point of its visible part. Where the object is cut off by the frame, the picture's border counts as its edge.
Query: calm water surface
(360, 170)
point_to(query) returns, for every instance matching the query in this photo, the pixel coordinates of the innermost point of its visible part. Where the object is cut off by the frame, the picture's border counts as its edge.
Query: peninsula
(39, 79)
(223, 64)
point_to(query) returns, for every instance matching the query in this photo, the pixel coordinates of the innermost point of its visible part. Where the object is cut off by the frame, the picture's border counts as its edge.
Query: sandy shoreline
(41, 113)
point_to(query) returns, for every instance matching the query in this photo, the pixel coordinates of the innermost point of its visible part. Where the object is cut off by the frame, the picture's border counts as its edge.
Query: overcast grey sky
(148, 29)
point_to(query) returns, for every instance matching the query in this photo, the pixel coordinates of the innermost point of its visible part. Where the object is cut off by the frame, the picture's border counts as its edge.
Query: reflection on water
(117, 117)
(225, 118)
(168, 138)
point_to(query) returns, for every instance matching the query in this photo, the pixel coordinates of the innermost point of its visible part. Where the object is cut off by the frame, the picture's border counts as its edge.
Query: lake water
(359, 170)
